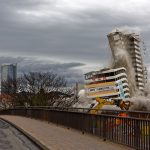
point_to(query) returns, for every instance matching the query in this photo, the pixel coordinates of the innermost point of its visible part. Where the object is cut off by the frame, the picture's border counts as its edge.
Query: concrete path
(12, 139)
(60, 138)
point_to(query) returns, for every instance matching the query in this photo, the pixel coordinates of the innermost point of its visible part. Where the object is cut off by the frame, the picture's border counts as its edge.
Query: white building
(107, 83)
(130, 43)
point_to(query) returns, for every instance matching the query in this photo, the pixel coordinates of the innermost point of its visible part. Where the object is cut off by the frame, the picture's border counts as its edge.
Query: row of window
(139, 67)
(107, 88)
(120, 71)
(134, 53)
(126, 91)
(136, 62)
(121, 77)
(115, 96)
(132, 39)
(99, 89)
(91, 76)
(133, 57)
(134, 44)
(102, 79)
(124, 81)
(109, 80)
(139, 71)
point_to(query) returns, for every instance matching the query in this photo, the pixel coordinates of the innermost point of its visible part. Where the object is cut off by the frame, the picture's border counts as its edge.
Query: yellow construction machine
(124, 105)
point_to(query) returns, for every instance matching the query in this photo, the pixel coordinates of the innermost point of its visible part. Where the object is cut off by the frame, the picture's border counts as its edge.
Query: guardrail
(137, 114)
(131, 131)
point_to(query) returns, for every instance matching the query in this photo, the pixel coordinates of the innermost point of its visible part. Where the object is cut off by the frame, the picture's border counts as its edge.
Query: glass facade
(8, 78)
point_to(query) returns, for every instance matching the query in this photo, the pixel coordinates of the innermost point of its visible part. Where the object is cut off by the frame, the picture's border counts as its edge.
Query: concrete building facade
(107, 83)
(129, 43)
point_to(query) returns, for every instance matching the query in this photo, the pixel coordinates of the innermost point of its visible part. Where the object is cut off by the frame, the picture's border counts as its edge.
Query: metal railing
(131, 131)
(137, 114)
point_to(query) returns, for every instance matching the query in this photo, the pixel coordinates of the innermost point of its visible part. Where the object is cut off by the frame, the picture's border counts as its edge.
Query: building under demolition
(127, 74)
(107, 83)
(126, 53)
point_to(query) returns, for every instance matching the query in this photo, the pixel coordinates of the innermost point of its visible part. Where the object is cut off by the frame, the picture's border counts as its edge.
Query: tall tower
(126, 53)
(8, 78)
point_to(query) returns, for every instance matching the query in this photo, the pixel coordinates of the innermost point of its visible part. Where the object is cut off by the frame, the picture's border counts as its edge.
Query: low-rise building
(107, 83)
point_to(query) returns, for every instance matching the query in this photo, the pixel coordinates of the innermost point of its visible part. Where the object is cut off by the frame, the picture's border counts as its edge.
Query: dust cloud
(139, 102)
(121, 58)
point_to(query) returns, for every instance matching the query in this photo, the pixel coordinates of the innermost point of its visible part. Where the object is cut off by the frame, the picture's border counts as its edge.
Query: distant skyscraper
(8, 78)
(127, 45)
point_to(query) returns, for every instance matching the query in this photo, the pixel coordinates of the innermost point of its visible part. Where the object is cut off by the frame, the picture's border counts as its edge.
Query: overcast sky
(67, 36)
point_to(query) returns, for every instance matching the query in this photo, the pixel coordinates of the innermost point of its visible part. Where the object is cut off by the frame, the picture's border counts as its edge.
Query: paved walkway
(12, 139)
(60, 138)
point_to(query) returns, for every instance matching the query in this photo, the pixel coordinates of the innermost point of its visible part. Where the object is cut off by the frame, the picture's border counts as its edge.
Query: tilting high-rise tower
(126, 53)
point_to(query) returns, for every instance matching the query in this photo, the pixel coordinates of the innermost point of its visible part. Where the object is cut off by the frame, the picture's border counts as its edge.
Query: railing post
(83, 127)
(136, 133)
(104, 128)
(131, 131)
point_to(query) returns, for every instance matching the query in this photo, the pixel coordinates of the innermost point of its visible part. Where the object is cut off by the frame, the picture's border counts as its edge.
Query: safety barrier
(131, 131)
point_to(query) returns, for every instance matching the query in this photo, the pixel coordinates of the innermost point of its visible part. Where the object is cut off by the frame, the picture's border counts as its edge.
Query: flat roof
(105, 70)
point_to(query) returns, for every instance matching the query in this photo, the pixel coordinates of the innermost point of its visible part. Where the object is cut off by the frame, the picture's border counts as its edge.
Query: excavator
(124, 105)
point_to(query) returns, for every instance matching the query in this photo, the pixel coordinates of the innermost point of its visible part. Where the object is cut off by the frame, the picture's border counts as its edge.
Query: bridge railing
(130, 131)
(137, 114)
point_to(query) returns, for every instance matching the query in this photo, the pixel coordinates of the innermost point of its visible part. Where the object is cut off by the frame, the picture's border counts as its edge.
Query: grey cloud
(69, 70)
(80, 37)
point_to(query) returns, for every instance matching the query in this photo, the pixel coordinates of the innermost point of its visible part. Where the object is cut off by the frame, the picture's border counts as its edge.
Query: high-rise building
(107, 83)
(8, 78)
(127, 45)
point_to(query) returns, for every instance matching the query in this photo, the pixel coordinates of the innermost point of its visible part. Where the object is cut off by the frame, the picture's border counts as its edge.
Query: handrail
(132, 130)
(82, 108)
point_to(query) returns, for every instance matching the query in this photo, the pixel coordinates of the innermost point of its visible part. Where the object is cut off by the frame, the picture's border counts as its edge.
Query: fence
(131, 131)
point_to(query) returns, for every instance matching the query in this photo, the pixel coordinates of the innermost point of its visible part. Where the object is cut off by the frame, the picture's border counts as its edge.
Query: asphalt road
(12, 139)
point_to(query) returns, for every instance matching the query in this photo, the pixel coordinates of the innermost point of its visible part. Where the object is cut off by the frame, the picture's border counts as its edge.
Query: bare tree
(38, 89)
(9, 86)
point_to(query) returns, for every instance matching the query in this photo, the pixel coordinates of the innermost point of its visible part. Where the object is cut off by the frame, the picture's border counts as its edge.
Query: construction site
(114, 104)
(125, 79)
(120, 92)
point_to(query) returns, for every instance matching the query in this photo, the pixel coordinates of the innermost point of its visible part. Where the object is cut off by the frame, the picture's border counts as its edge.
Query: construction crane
(124, 105)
